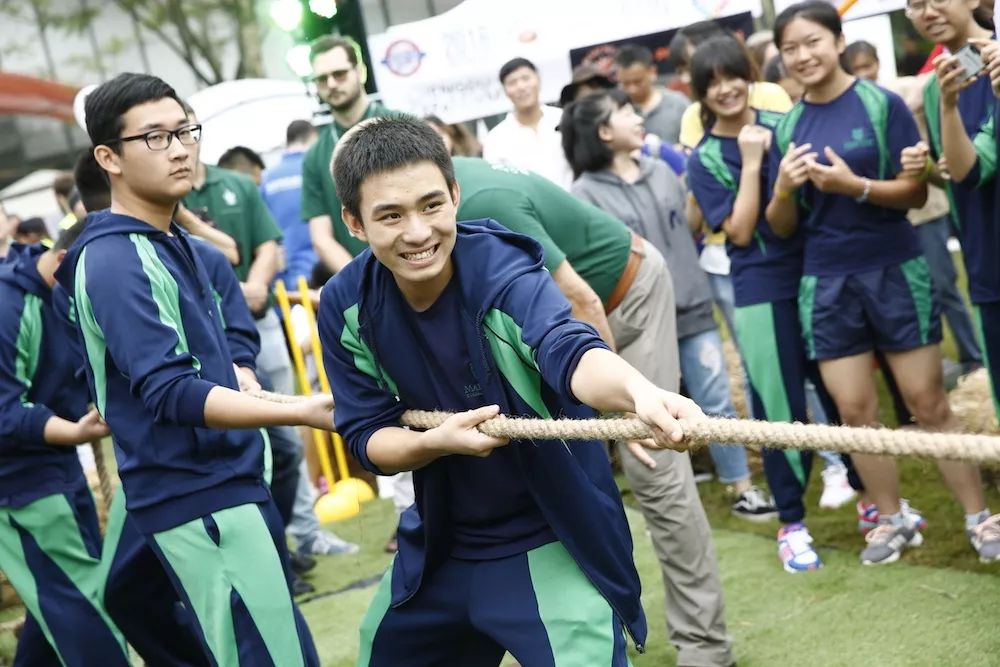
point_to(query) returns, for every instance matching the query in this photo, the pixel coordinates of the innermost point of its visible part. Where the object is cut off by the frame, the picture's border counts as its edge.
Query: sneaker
(985, 539)
(300, 563)
(754, 505)
(837, 491)
(795, 549)
(300, 586)
(887, 542)
(325, 543)
(868, 516)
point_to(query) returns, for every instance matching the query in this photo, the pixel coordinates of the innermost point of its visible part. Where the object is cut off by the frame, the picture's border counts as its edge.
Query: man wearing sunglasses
(339, 76)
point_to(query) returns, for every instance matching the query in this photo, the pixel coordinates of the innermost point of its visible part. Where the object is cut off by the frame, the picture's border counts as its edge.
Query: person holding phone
(836, 172)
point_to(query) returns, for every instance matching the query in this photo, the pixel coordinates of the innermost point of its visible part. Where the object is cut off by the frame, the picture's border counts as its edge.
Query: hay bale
(972, 403)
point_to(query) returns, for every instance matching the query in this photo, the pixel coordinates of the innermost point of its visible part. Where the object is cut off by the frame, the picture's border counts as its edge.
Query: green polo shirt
(596, 244)
(235, 206)
(319, 196)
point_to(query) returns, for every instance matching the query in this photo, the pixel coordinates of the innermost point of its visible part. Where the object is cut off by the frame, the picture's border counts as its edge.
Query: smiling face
(949, 24)
(623, 130)
(522, 87)
(408, 219)
(158, 176)
(727, 96)
(810, 52)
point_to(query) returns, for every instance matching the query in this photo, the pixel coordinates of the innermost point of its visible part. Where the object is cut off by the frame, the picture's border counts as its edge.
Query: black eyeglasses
(339, 75)
(159, 140)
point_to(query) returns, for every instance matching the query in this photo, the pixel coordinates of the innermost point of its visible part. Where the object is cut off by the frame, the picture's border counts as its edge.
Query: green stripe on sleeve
(164, 291)
(986, 150)
(29, 343)
(710, 155)
(93, 337)
(364, 360)
(514, 359)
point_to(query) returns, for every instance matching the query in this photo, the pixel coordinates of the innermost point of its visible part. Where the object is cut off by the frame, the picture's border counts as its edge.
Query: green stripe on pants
(807, 302)
(373, 617)
(758, 341)
(977, 313)
(52, 524)
(244, 560)
(568, 604)
(918, 277)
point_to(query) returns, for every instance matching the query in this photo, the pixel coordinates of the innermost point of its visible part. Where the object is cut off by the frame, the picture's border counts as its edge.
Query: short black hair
(92, 183)
(111, 100)
(691, 37)
(62, 184)
(633, 54)
(299, 130)
(584, 149)
(69, 236)
(241, 156)
(774, 69)
(815, 11)
(855, 49)
(32, 226)
(515, 64)
(331, 42)
(720, 55)
(382, 145)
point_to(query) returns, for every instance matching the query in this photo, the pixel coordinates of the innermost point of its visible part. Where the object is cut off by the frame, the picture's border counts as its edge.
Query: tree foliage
(199, 32)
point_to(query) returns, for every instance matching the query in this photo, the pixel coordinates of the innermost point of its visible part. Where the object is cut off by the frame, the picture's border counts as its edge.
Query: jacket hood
(20, 269)
(510, 255)
(99, 224)
(646, 166)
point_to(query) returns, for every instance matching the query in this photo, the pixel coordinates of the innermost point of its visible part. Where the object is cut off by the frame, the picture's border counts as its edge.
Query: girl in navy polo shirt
(834, 169)
(726, 173)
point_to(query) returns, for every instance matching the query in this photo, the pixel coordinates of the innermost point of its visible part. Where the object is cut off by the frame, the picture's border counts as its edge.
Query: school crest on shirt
(229, 197)
(859, 139)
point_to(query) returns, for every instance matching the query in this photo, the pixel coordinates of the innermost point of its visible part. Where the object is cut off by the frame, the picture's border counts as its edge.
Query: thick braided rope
(697, 433)
(103, 476)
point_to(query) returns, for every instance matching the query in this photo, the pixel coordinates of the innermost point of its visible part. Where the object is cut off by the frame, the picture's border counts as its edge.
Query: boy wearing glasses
(189, 449)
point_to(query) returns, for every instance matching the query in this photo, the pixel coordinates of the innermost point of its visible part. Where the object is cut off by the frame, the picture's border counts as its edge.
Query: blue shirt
(769, 268)
(281, 188)
(493, 512)
(841, 235)
(972, 207)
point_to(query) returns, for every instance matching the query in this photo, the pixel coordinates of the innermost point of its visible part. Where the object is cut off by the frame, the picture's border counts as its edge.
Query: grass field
(939, 607)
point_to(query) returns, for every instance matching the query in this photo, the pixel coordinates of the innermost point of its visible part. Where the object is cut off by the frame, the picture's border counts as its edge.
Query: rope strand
(756, 434)
(774, 435)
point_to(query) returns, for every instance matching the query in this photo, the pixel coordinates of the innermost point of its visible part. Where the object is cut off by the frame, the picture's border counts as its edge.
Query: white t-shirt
(538, 149)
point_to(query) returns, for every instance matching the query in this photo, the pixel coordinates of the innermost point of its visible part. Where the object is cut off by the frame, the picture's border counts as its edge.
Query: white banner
(860, 9)
(447, 65)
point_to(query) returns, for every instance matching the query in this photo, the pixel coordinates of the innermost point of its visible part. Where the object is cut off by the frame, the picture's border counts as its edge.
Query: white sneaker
(837, 491)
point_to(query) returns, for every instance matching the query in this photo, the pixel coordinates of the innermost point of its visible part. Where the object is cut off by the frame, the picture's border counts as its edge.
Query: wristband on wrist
(928, 170)
(782, 194)
(867, 191)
